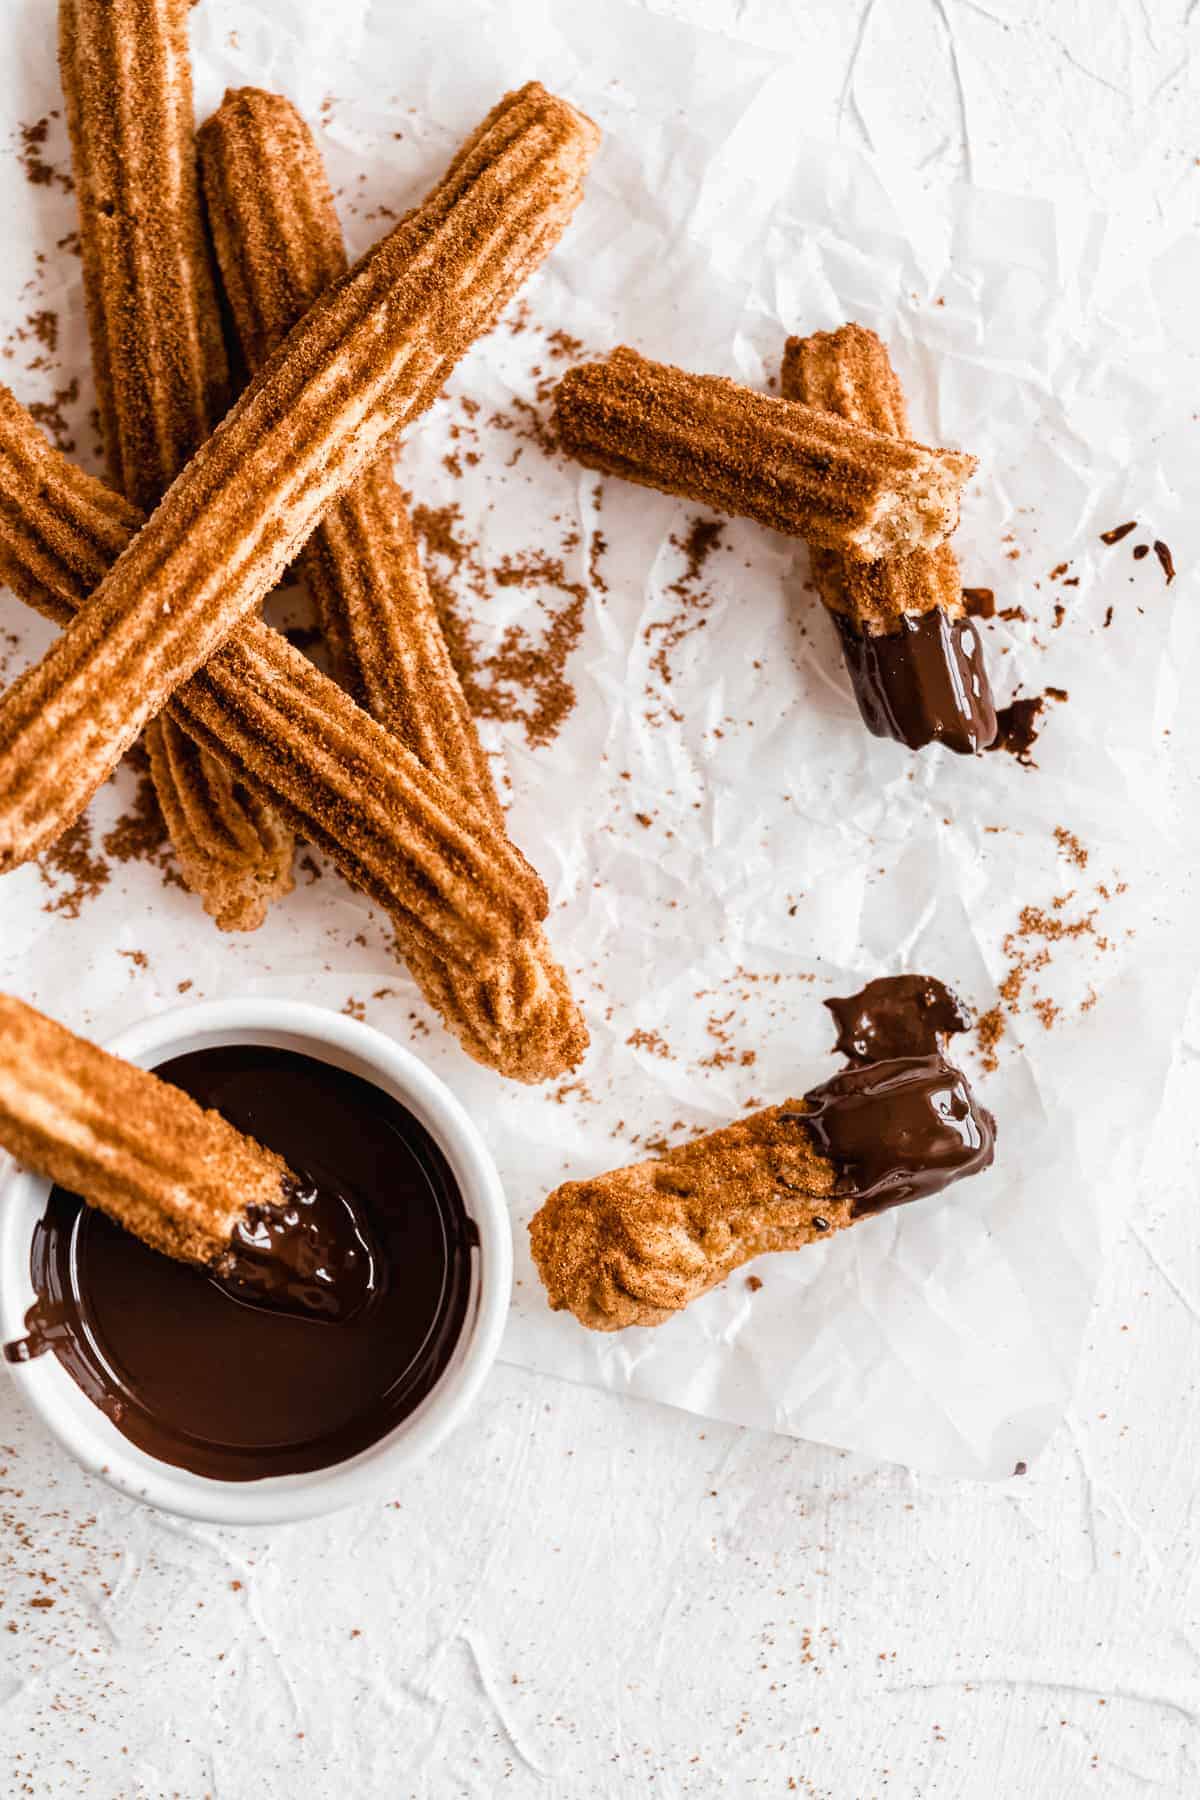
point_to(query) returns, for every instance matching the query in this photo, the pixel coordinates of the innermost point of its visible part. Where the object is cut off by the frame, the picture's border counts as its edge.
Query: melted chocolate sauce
(897, 1015)
(314, 1255)
(380, 1243)
(1017, 728)
(925, 683)
(899, 1130)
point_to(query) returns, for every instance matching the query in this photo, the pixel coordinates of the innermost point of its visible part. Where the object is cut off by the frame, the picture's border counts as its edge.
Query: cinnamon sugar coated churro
(287, 732)
(633, 1246)
(179, 1178)
(803, 472)
(162, 380)
(363, 363)
(279, 246)
(915, 659)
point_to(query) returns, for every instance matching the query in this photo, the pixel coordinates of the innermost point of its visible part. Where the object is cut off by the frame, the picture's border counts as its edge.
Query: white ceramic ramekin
(90, 1435)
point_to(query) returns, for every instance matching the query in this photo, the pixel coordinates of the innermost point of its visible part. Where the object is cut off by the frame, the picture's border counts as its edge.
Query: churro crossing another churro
(162, 379)
(288, 732)
(279, 246)
(808, 473)
(915, 658)
(364, 362)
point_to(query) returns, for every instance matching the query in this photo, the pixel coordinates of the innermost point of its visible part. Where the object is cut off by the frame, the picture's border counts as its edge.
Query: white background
(586, 1594)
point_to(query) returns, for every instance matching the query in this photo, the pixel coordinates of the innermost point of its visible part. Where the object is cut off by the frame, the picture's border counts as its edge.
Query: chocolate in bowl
(199, 1379)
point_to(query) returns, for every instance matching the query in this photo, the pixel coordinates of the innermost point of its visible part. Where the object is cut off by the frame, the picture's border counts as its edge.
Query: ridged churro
(179, 1178)
(803, 472)
(279, 246)
(363, 363)
(636, 1245)
(915, 659)
(162, 379)
(285, 730)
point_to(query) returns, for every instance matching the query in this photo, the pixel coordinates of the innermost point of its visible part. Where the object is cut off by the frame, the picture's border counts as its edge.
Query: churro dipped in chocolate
(162, 379)
(179, 1178)
(288, 732)
(915, 659)
(808, 473)
(638, 1244)
(365, 362)
(279, 246)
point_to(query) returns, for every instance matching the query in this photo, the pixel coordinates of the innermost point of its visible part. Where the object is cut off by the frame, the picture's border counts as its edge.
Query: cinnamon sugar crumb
(72, 861)
(1071, 847)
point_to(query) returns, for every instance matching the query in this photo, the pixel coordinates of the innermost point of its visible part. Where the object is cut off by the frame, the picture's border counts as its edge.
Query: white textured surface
(588, 1595)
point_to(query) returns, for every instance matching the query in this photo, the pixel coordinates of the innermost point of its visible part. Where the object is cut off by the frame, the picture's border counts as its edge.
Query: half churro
(162, 379)
(366, 361)
(279, 246)
(804, 472)
(638, 1244)
(915, 659)
(285, 730)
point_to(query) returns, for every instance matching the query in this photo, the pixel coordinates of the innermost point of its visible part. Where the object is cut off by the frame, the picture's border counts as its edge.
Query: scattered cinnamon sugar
(73, 862)
(50, 414)
(989, 1029)
(39, 172)
(754, 1283)
(355, 1009)
(140, 834)
(651, 1041)
(702, 537)
(1070, 846)
(523, 680)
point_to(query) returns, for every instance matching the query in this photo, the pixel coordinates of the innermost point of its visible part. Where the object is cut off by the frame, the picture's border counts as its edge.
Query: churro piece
(366, 361)
(914, 657)
(279, 246)
(803, 472)
(179, 1178)
(162, 379)
(284, 729)
(634, 1246)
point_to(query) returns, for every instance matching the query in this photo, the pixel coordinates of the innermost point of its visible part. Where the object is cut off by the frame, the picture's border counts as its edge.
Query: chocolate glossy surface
(924, 683)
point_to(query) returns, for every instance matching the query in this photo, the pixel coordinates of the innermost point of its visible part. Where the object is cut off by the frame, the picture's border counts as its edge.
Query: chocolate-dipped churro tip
(898, 1130)
(811, 474)
(925, 682)
(635, 1245)
(914, 658)
(178, 1177)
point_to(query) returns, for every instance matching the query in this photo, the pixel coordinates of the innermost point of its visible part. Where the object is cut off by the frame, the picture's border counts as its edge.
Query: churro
(285, 730)
(279, 246)
(364, 362)
(915, 658)
(634, 1246)
(162, 378)
(804, 472)
(179, 1178)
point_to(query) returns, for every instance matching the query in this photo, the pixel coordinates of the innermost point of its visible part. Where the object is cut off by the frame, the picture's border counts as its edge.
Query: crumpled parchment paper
(724, 843)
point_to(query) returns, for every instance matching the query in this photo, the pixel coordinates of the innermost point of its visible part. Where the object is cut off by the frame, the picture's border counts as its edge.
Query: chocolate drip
(899, 1130)
(380, 1241)
(897, 1015)
(925, 683)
